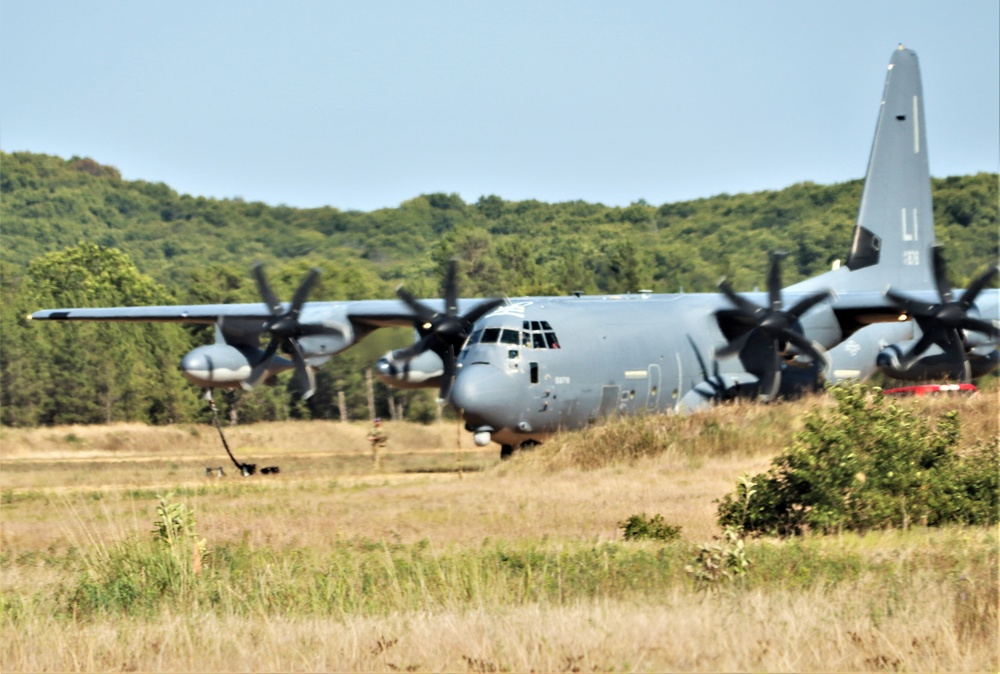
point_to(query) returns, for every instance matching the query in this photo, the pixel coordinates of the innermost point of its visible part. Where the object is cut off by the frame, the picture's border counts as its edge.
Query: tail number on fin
(909, 234)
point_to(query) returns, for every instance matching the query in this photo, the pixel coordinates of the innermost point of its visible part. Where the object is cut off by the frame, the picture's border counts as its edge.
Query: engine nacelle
(421, 371)
(216, 366)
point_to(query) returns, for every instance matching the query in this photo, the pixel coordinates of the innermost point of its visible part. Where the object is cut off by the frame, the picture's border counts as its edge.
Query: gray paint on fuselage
(640, 347)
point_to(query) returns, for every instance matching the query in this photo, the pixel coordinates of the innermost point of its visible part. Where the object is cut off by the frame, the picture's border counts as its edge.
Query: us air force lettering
(518, 370)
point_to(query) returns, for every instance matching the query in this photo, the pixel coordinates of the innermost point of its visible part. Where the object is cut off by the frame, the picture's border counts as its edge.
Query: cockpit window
(510, 337)
(539, 335)
(532, 335)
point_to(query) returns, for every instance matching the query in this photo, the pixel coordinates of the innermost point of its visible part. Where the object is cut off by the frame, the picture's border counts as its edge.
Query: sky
(363, 105)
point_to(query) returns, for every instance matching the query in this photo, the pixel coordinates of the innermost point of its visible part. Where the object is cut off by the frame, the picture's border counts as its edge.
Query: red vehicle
(931, 389)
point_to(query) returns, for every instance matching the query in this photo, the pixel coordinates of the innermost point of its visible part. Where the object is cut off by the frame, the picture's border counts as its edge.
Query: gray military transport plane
(518, 370)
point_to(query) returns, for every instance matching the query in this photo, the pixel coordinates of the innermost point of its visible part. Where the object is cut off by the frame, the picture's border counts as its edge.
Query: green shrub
(868, 463)
(638, 527)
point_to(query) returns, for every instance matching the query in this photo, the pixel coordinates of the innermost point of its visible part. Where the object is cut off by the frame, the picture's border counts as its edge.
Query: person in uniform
(378, 438)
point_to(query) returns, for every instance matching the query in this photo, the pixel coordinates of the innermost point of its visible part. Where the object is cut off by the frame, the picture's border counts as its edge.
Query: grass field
(448, 560)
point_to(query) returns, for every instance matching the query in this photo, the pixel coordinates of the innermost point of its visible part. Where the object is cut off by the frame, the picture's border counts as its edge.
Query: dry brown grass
(88, 487)
(773, 631)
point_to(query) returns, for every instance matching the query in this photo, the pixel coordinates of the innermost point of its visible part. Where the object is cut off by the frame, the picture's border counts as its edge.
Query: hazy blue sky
(362, 105)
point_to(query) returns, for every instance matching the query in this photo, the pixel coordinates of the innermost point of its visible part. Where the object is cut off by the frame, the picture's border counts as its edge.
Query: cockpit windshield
(533, 335)
(494, 336)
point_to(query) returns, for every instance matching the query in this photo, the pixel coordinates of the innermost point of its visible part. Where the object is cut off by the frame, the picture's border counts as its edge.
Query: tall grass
(917, 600)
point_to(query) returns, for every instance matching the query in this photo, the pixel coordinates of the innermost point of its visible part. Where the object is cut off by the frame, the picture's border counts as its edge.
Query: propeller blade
(701, 361)
(769, 384)
(303, 371)
(744, 305)
(774, 280)
(715, 381)
(770, 379)
(807, 303)
(733, 348)
(978, 325)
(422, 311)
(954, 351)
(910, 305)
(451, 289)
(916, 350)
(303, 291)
(941, 275)
(805, 346)
(261, 368)
(976, 286)
(264, 288)
(481, 309)
(414, 349)
(448, 377)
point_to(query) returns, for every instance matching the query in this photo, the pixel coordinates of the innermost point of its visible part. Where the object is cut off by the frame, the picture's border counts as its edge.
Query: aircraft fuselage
(538, 366)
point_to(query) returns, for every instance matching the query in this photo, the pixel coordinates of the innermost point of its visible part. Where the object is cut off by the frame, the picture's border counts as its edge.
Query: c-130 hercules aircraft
(518, 370)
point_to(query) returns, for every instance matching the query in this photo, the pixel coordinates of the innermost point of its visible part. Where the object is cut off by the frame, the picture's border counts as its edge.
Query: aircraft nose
(479, 391)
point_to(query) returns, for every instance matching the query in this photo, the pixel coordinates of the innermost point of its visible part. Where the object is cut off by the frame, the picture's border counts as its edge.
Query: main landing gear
(507, 451)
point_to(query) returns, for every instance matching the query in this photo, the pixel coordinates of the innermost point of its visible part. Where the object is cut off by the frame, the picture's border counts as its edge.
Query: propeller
(941, 323)
(444, 333)
(717, 386)
(285, 331)
(770, 329)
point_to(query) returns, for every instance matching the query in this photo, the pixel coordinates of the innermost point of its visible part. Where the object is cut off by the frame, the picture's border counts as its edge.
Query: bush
(868, 463)
(639, 527)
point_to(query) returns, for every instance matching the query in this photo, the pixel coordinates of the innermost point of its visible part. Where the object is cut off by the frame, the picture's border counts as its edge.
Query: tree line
(74, 233)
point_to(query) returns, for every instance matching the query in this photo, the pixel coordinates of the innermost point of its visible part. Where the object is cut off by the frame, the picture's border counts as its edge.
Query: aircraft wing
(368, 313)
(191, 313)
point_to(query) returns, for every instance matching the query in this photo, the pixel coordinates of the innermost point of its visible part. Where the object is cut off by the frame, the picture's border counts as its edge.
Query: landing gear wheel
(506, 451)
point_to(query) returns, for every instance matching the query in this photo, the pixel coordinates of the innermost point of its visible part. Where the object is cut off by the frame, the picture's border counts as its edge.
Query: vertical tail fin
(895, 228)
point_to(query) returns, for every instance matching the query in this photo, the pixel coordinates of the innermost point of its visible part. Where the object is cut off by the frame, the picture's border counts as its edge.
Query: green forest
(74, 233)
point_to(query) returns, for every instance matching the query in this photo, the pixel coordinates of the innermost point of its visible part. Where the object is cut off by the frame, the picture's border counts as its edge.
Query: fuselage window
(538, 341)
(550, 339)
(491, 335)
(474, 338)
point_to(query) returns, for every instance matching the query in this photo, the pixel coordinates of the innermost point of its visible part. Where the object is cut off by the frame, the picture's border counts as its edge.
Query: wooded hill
(74, 233)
